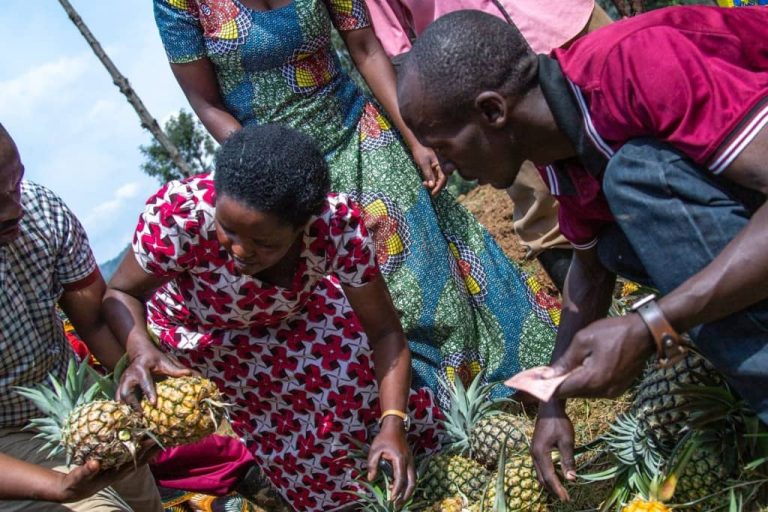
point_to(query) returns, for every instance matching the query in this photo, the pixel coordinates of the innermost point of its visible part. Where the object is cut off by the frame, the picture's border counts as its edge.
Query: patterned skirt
(303, 392)
(463, 304)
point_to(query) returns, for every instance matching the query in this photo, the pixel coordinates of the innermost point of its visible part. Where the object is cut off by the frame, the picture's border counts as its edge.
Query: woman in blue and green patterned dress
(463, 304)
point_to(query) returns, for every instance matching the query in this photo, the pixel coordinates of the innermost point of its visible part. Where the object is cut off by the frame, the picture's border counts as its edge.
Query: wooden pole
(122, 83)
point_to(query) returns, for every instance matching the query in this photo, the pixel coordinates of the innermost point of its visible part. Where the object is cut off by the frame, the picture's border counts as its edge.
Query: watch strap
(670, 347)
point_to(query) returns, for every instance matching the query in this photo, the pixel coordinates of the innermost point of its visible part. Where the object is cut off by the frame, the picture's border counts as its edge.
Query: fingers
(373, 464)
(567, 461)
(545, 472)
(400, 481)
(172, 367)
(583, 382)
(411, 479)
(126, 391)
(440, 178)
(428, 172)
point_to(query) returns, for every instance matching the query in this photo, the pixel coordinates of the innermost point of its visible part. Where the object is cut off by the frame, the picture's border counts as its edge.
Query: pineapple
(103, 430)
(705, 474)
(659, 410)
(642, 505)
(187, 410)
(448, 475)
(452, 504)
(84, 427)
(478, 428)
(522, 491)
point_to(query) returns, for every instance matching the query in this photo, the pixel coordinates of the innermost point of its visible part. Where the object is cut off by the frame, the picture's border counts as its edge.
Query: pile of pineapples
(486, 450)
(81, 417)
(687, 443)
(684, 443)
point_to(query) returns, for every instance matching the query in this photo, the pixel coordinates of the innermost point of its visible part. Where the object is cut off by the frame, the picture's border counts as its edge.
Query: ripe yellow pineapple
(452, 504)
(641, 505)
(187, 409)
(521, 488)
(102, 430)
(86, 427)
(476, 426)
(447, 475)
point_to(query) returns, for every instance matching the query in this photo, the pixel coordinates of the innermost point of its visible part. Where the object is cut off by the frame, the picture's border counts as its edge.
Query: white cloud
(43, 84)
(110, 207)
(128, 191)
(75, 131)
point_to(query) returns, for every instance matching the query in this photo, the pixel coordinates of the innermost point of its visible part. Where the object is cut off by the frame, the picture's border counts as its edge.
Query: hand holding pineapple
(179, 410)
(146, 361)
(24, 480)
(390, 444)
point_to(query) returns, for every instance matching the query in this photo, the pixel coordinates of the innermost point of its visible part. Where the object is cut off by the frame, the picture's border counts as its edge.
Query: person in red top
(652, 134)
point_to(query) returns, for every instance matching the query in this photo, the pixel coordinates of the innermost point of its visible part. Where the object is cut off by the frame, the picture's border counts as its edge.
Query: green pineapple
(659, 410)
(690, 397)
(705, 474)
(476, 427)
(80, 421)
(447, 475)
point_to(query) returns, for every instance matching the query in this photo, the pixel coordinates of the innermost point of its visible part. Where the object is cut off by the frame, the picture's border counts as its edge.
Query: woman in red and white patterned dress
(267, 284)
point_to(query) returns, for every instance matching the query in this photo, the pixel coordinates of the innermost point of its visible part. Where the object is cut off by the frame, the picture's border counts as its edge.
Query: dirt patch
(493, 208)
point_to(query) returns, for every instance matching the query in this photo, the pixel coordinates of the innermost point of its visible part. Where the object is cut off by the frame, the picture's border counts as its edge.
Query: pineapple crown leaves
(631, 447)
(500, 504)
(57, 400)
(375, 497)
(467, 407)
(109, 383)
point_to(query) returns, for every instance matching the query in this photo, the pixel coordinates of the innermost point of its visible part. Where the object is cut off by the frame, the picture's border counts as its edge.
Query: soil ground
(493, 209)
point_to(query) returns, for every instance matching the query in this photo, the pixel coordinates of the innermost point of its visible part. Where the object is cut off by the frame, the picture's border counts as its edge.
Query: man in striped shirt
(45, 260)
(652, 132)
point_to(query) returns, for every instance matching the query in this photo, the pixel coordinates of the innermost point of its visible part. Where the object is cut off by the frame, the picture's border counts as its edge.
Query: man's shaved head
(464, 53)
(11, 172)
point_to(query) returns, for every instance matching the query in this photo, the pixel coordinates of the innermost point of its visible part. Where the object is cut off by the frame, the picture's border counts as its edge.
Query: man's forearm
(21, 480)
(127, 319)
(586, 298)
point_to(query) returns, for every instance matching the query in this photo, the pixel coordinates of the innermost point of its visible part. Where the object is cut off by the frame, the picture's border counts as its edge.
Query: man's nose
(447, 166)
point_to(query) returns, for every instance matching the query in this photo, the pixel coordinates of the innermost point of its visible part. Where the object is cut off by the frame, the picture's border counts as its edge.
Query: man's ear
(492, 106)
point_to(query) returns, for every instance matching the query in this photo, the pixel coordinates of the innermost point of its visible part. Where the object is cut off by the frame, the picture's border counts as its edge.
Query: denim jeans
(673, 218)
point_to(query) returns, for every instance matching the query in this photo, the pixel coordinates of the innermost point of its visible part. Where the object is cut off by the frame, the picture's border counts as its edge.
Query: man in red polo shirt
(652, 134)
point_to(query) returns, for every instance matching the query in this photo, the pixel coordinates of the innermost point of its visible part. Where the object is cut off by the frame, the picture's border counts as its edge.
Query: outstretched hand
(149, 362)
(553, 432)
(392, 446)
(604, 358)
(601, 361)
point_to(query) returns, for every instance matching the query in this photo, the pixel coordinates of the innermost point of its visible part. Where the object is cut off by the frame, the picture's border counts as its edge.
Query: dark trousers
(673, 218)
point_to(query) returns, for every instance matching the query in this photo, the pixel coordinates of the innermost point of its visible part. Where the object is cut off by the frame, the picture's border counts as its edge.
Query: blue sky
(75, 131)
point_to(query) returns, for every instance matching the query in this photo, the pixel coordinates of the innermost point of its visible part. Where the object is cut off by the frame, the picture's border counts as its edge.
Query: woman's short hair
(273, 169)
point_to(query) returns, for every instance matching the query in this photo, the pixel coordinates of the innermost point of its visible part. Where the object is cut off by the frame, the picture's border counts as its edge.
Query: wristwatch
(670, 347)
(400, 414)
